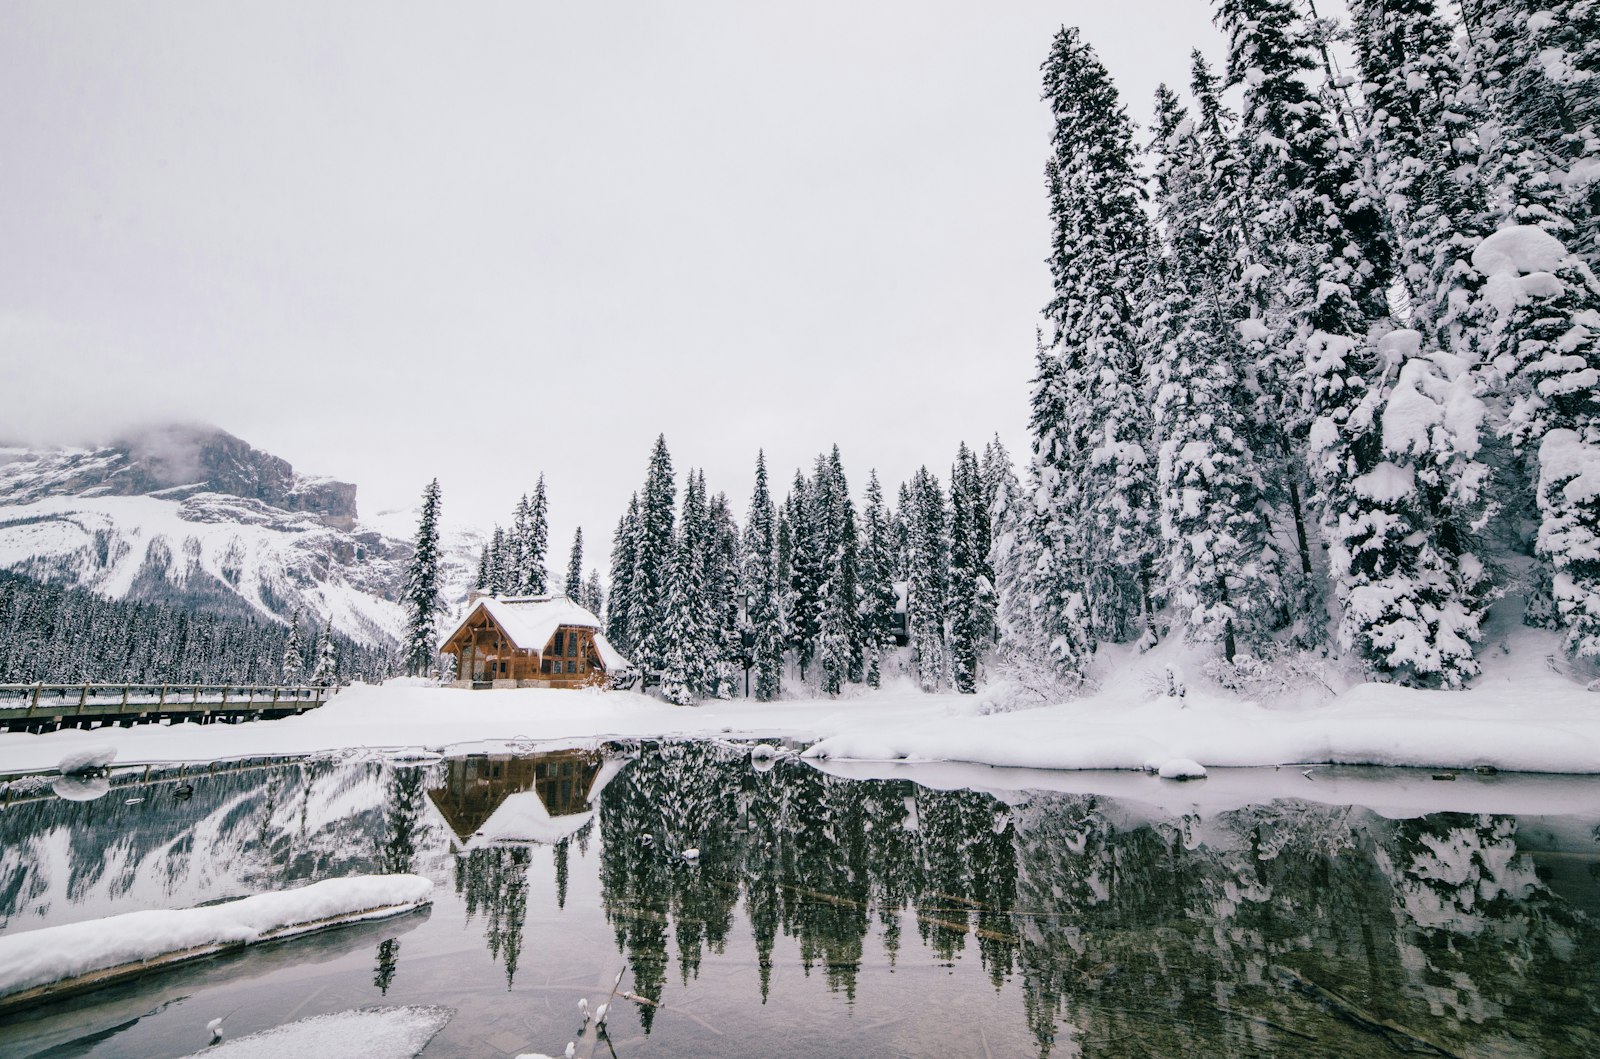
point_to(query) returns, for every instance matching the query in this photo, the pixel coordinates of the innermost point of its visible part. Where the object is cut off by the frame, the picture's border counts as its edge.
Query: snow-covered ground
(1522, 715)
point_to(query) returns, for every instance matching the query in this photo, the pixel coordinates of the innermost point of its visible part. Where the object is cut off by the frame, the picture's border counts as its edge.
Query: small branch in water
(1347, 1009)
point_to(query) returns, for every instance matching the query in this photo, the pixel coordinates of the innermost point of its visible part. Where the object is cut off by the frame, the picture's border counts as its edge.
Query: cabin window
(559, 641)
(572, 667)
(572, 646)
(544, 666)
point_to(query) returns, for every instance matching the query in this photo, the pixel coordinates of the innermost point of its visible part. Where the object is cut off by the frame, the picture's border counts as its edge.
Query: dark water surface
(828, 916)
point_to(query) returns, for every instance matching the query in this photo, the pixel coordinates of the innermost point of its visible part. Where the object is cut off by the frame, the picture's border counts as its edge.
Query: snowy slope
(198, 518)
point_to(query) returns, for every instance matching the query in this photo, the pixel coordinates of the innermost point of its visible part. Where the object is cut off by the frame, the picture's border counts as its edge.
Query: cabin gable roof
(529, 622)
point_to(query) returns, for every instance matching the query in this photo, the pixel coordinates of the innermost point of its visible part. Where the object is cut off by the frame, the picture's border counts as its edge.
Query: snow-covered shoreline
(135, 941)
(1525, 722)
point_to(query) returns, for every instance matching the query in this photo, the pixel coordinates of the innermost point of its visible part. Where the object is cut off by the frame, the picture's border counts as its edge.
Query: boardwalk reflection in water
(827, 916)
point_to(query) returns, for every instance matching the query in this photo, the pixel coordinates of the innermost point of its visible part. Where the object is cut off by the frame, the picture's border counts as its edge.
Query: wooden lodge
(531, 642)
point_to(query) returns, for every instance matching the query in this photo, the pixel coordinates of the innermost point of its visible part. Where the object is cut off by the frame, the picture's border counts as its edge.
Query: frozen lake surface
(911, 910)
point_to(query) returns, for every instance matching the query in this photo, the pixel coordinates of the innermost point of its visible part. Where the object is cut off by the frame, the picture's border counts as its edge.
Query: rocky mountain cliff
(197, 517)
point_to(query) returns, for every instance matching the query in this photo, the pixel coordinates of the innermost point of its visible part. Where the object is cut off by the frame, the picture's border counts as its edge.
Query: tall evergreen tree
(1091, 422)
(574, 583)
(1545, 313)
(803, 594)
(761, 587)
(326, 672)
(964, 596)
(681, 676)
(877, 583)
(652, 563)
(594, 593)
(927, 562)
(422, 588)
(624, 557)
(1324, 247)
(723, 600)
(839, 633)
(1219, 565)
(533, 576)
(293, 664)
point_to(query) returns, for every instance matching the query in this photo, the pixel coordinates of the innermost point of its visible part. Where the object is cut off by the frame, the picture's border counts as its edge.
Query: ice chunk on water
(364, 1033)
(1181, 768)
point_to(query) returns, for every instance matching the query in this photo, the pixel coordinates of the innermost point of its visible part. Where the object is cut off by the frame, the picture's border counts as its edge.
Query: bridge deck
(47, 707)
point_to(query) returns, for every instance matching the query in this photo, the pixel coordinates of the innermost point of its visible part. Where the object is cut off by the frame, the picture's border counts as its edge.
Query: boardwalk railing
(46, 707)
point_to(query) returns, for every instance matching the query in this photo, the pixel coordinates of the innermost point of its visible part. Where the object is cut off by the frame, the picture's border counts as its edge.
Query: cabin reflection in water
(493, 799)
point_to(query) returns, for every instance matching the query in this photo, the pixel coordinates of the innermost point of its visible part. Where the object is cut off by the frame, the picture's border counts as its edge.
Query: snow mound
(1182, 768)
(1519, 249)
(81, 788)
(366, 1033)
(87, 759)
(36, 958)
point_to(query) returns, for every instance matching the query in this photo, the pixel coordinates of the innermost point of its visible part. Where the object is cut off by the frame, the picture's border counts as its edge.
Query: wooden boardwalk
(48, 707)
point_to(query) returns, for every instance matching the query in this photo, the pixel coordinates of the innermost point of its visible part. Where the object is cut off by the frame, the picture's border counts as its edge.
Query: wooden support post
(163, 696)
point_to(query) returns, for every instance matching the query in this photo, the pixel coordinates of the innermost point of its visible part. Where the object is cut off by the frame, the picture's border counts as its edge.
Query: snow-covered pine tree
(963, 598)
(326, 671)
(422, 588)
(1258, 343)
(761, 588)
(839, 633)
(1538, 62)
(292, 665)
(1423, 122)
(1327, 246)
(499, 582)
(519, 548)
(994, 465)
(594, 593)
(653, 557)
(573, 586)
(1100, 247)
(1015, 554)
(688, 670)
(1048, 535)
(1544, 306)
(802, 603)
(624, 557)
(1219, 565)
(927, 562)
(877, 583)
(480, 580)
(533, 576)
(723, 600)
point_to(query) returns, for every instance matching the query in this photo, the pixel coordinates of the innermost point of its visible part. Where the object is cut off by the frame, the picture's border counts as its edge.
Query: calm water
(828, 916)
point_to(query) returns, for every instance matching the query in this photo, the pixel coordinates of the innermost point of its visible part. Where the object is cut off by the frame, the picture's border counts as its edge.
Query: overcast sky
(390, 241)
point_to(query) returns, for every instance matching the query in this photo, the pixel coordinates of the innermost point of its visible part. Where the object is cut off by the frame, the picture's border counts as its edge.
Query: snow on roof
(530, 621)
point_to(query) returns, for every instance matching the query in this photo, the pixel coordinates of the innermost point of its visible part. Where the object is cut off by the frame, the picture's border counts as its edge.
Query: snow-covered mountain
(197, 517)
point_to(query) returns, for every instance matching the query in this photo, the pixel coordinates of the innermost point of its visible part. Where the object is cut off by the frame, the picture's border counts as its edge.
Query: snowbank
(368, 1033)
(1523, 714)
(110, 947)
(1536, 726)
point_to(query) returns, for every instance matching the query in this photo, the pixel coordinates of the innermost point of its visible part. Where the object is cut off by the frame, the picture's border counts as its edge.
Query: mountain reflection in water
(1101, 926)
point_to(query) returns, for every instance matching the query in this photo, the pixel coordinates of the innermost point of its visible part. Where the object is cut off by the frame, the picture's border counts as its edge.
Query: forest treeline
(65, 635)
(1319, 372)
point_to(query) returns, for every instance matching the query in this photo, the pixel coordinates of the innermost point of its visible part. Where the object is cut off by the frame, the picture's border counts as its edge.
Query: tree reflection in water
(1281, 928)
(1325, 930)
